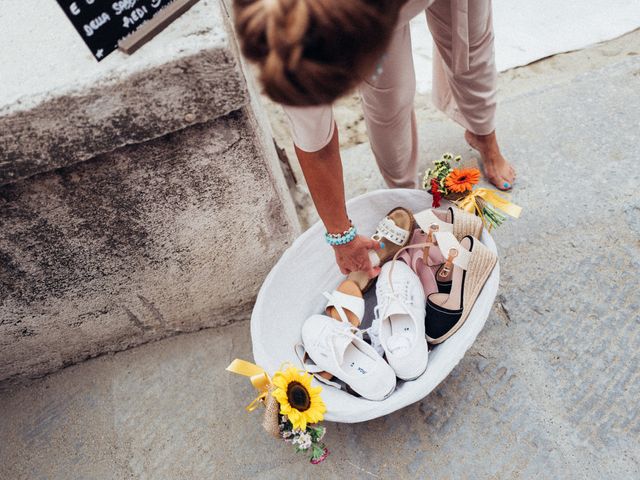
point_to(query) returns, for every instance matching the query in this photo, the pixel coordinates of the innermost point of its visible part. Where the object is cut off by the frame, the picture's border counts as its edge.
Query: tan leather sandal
(393, 233)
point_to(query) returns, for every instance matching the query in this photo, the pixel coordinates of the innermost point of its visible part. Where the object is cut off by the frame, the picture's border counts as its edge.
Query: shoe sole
(389, 394)
(353, 392)
(417, 376)
(413, 378)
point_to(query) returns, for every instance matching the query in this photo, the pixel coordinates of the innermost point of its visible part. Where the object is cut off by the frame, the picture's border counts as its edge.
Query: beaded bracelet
(347, 236)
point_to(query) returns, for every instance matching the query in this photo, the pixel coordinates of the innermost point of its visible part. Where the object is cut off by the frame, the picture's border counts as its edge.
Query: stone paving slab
(549, 390)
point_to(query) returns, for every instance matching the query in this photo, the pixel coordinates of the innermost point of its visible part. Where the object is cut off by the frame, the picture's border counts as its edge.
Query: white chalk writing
(122, 5)
(103, 23)
(96, 23)
(134, 17)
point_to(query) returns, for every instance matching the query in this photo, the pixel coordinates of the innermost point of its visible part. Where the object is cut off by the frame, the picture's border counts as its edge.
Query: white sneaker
(334, 348)
(399, 321)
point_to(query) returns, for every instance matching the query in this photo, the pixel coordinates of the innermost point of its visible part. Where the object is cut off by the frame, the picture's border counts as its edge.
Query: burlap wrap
(271, 419)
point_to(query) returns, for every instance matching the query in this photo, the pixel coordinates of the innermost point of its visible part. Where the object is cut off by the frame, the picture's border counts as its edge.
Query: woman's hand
(323, 173)
(354, 256)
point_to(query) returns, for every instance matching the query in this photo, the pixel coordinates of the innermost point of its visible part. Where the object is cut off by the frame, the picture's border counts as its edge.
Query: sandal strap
(389, 230)
(342, 301)
(395, 257)
(447, 241)
(425, 218)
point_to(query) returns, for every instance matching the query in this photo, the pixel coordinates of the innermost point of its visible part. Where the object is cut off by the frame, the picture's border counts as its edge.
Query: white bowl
(293, 291)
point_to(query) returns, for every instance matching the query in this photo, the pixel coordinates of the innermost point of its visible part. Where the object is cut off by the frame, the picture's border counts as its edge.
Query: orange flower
(461, 180)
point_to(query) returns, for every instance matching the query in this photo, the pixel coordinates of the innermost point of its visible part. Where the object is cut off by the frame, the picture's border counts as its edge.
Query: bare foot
(496, 168)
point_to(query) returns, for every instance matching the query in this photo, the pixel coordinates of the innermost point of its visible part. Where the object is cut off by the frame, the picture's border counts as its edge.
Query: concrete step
(59, 106)
(547, 391)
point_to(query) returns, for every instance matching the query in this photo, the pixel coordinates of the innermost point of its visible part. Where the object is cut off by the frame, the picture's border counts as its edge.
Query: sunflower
(298, 400)
(461, 180)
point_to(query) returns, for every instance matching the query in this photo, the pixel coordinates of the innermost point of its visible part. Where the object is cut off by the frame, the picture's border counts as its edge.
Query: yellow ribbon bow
(470, 203)
(259, 379)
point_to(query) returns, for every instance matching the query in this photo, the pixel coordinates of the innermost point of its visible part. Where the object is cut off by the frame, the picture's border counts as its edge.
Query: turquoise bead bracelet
(347, 236)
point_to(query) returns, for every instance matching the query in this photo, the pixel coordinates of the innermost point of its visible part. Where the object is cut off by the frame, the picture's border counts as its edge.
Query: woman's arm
(323, 172)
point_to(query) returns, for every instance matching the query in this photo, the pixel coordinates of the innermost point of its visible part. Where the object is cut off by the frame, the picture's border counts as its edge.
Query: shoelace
(402, 296)
(406, 247)
(343, 329)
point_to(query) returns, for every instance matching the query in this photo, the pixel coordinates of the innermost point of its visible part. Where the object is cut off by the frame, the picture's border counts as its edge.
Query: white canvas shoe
(400, 320)
(335, 348)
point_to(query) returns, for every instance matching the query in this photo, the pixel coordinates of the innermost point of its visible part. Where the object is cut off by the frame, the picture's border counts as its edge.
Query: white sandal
(346, 303)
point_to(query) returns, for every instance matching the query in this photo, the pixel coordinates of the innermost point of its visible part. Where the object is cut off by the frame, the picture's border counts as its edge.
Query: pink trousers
(464, 87)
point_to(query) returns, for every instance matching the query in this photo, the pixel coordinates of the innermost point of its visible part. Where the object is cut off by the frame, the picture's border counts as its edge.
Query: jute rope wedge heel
(471, 264)
(465, 223)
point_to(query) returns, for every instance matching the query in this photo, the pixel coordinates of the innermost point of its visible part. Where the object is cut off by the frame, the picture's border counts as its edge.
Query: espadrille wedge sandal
(393, 233)
(469, 264)
(453, 220)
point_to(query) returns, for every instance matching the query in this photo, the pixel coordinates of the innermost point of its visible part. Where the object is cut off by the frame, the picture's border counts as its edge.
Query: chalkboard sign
(103, 23)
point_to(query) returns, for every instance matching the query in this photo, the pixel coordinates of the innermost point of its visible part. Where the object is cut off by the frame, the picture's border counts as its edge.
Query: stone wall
(119, 226)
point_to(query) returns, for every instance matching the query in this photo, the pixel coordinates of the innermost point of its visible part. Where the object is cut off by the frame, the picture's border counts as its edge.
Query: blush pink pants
(464, 87)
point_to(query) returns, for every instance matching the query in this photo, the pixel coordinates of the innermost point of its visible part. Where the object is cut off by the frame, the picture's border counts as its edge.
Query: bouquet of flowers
(300, 406)
(456, 183)
(293, 408)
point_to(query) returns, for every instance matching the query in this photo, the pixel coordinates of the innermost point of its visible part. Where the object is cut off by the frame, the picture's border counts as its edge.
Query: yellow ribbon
(259, 379)
(470, 202)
